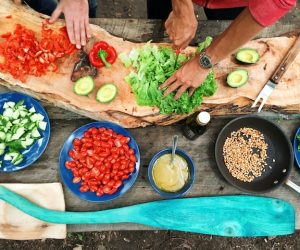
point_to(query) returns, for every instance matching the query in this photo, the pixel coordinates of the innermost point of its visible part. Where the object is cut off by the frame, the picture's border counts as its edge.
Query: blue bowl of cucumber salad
(24, 131)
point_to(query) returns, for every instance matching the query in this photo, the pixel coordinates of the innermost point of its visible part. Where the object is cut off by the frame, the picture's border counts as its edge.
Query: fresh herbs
(153, 65)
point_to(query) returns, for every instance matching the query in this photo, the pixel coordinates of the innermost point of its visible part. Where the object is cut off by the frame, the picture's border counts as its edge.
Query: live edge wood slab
(57, 88)
(151, 139)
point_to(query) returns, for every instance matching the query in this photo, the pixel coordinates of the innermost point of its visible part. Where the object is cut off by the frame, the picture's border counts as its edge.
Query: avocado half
(237, 78)
(247, 55)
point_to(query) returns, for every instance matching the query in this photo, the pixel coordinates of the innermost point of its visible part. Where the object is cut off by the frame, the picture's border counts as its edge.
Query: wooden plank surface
(208, 180)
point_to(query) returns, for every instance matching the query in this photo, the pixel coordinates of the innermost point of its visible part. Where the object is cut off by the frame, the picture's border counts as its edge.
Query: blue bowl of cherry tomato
(99, 161)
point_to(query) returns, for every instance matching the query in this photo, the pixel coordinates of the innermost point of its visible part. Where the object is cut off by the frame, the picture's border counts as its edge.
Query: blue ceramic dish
(67, 175)
(190, 181)
(296, 152)
(32, 153)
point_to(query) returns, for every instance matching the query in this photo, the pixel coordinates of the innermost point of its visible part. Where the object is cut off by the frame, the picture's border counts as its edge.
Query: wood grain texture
(219, 215)
(57, 88)
(287, 61)
(16, 225)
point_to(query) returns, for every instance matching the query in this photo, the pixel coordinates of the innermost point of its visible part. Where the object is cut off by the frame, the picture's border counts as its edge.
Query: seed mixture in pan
(245, 154)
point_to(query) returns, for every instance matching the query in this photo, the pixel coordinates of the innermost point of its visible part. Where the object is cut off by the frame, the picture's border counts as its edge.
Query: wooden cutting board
(57, 88)
(16, 225)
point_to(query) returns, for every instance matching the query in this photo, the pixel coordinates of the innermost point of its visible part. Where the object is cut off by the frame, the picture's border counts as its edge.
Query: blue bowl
(296, 152)
(190, 181)
(67, 175)
(34, 152)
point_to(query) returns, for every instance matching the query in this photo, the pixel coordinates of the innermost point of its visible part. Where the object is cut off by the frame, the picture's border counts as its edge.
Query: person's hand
(181, 29)
(77, 20)
(188, 77)
(18, 2)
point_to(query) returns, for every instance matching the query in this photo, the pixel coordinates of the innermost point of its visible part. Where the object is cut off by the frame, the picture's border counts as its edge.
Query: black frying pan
(279, 148)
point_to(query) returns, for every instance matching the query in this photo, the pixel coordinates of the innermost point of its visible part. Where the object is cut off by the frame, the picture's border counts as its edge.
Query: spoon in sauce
(174, 146)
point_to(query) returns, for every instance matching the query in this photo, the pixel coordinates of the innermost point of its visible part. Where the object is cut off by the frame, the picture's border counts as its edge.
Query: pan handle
(293, 186)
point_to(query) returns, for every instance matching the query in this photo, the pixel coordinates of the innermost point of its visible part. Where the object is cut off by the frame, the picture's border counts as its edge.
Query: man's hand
(17, 2)
(77, 20)
(181, 25)
(188, 77)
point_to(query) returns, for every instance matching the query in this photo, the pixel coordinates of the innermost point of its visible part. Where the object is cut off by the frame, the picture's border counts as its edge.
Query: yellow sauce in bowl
(170, 177)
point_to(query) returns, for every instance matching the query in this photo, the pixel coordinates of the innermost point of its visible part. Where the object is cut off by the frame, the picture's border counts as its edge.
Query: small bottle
(196, 125)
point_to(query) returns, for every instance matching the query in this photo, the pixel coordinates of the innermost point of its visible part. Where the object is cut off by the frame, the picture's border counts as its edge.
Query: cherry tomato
(117, 143)
(106, 189)
(76, 179)
(84, 188)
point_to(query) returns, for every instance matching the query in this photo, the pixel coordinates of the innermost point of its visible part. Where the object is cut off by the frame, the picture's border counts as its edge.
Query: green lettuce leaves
(153, 65)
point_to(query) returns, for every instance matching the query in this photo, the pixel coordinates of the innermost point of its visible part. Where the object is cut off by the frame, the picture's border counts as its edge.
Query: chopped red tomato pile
(101, 160)
(23, 54)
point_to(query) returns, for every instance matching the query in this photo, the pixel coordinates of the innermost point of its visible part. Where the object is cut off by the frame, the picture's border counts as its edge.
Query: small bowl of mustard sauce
(171, 180)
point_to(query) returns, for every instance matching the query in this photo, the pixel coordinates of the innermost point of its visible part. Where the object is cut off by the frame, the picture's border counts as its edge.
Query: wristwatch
(205, 60)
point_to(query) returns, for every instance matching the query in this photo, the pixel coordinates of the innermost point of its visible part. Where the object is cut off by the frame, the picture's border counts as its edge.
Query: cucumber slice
(2, 136)
(32, 110)
(31, 126)
(17, 121)
(2, 146)
(84, 86)
(29, 141)
(8, 137)
(2, 151)
(16, 114)
(20, 131)
(10, 104)
(37, 117)
(35, 133)
(107, 93)
(7, 157)
(19, 104)
(8, 113)
(23, 113)
(18, 160)
(42, 125)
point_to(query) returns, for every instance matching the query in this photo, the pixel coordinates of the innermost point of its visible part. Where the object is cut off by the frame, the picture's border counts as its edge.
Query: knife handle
(287, 61)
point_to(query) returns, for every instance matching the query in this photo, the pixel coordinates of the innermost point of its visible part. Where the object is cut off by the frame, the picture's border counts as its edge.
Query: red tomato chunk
(101, 161)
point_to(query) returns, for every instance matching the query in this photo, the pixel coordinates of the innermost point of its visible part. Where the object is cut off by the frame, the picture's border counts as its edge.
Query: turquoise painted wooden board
(219, 215)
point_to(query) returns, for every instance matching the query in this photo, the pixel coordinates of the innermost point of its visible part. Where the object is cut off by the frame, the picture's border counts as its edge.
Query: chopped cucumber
(42, 125)
(18, 160)
(35, 133)
(36, 117)
(16, 114)
(19, 129)
(2, 146)
(29, 141)
(32, 110)
(107, 93)
(10, 104)
(7, 157)
(2, 136)
(8, 112)
(19, 132)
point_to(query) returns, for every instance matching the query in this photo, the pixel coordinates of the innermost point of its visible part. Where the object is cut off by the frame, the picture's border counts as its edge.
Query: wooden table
(151, 139)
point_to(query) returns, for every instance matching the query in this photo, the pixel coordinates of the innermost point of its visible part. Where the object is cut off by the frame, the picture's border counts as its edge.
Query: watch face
(205, 61)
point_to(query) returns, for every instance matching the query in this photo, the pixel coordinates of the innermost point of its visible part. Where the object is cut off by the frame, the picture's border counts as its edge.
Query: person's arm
(191, 75)
(77, 20)
(181, 24)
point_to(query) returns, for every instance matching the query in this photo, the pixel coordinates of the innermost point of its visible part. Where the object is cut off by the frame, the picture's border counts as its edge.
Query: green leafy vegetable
(204, 44)
(153, 65)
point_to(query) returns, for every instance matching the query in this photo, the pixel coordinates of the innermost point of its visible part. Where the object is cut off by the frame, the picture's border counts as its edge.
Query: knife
(238, 215)
(276, 77)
